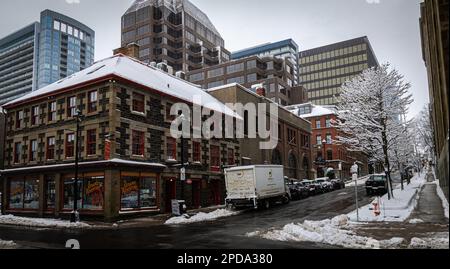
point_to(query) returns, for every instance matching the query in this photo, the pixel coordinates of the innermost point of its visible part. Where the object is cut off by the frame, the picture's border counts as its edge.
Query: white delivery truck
(256, 185)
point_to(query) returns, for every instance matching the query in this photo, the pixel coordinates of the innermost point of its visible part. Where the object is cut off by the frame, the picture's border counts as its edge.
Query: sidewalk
(426, 227)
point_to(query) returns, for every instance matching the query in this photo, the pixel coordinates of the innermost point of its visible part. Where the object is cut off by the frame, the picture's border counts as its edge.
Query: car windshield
(320, 180)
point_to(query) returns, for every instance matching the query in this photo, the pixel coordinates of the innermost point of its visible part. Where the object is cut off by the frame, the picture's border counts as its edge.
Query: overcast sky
(391, 25)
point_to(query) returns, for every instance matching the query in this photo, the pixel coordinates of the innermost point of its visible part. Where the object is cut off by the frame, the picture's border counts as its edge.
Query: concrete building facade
(434, 25)
(129, 161)
(285, 49)
(176, 33)
(293, 150)
(323, 70)
(273, 73)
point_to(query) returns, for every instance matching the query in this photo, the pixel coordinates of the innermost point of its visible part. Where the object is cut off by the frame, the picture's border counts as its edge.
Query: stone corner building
(129, 161)
(434, 23)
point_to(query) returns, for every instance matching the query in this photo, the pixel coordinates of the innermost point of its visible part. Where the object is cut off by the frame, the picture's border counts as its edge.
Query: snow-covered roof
(316, 111)
(176, 6)
(135, 71)
(93, 163)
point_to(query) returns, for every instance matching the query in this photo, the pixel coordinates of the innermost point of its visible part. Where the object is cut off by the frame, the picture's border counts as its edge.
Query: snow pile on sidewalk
(333, 232)
(7, 244)
(200, 217)
(398, 208)
(444, 200)
(38, 222)
(437, 241)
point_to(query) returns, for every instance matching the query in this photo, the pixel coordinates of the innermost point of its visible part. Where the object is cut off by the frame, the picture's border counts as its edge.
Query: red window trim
(48, 149)
(173, 143)
(34, 116)
(70, 107)
(141, 142)
(215, 158)
(17, 154)
(138, 106)
(90, 140)
(231, 157)
(70, 146)
(51, 112)
(92, 104)
(196, 152)
(31, 159)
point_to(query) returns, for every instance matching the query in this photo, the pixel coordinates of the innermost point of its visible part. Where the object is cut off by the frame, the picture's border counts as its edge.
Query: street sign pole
(354, 170)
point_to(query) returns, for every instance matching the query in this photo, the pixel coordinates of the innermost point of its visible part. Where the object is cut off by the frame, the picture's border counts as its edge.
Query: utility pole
(75, 216)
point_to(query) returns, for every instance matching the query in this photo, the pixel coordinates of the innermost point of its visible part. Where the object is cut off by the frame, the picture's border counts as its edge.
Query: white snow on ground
(200, 217)
(397, 209)
(436, 241)
(333, 232)
(444, 200)
(415, 221)
(7, 244)
(41, 223)
(360, 181)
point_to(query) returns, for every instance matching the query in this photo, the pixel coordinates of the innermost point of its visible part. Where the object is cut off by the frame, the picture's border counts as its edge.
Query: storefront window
(130, 193)
(93, 193)
(69, 193)
(139, 190)
(50, 192)
(31, 194)
(16, 194)
(148, 192)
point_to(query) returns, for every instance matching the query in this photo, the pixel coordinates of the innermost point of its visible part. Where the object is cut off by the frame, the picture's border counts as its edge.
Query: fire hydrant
(376, 208)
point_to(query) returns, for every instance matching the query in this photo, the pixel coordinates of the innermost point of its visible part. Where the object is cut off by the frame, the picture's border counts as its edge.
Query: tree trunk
(386, 160)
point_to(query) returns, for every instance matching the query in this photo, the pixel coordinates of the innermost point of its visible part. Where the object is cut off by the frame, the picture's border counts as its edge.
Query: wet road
(226, 233)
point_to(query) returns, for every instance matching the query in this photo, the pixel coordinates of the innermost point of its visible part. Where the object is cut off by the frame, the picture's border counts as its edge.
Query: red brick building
(326, 152)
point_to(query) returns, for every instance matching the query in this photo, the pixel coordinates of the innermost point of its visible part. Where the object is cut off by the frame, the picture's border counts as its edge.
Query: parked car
(312, 187)
(304, 190)
(325, 184)
(376, 184)
(295, 191)
(338, 184)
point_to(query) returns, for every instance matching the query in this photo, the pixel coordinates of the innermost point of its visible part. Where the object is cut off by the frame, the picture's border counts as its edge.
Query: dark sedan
(376, 184)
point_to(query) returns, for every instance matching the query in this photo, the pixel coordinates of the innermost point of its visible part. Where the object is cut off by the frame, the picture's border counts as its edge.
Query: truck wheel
(285, 200)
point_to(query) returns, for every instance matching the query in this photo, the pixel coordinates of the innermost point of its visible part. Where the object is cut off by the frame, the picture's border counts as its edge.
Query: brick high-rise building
(323, 70)
(174, 32)
(434, 23)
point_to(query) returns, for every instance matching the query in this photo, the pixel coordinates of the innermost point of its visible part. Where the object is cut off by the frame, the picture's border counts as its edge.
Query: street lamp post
(324, 142)
(75, 217)
(182, 169)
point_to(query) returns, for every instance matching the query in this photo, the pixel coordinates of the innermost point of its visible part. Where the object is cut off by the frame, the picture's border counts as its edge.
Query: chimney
(259, 89)
(130, 50)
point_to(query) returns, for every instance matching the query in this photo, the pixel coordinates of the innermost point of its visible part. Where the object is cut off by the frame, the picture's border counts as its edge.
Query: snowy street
(226, 232)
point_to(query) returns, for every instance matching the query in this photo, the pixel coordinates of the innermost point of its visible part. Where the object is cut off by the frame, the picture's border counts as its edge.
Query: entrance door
(171, 193)
(196, 193)
(215, 192)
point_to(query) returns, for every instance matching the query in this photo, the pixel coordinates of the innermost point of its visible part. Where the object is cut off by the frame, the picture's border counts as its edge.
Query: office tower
(273, 73)
(174, 32)
(285, 49)
(42, 53)
(18, 63)
(323, 70)
(66, 47)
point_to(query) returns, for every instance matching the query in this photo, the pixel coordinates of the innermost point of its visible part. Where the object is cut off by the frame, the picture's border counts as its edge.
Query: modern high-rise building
(271, 72)
(42, 53)
(18, 63)
(66, 46)
(285, 49)
(323, 70)
(434, 26)
(174, 32)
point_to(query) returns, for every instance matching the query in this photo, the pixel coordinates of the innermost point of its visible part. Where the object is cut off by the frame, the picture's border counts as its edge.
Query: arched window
(276, 157)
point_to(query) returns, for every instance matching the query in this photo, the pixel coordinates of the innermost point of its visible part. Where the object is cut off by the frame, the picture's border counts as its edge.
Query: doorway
(196, 193)
(171, 193)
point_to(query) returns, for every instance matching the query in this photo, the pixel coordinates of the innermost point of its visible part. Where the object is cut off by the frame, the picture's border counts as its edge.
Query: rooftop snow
(137, 72)
(316, 111)
(176, 6)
